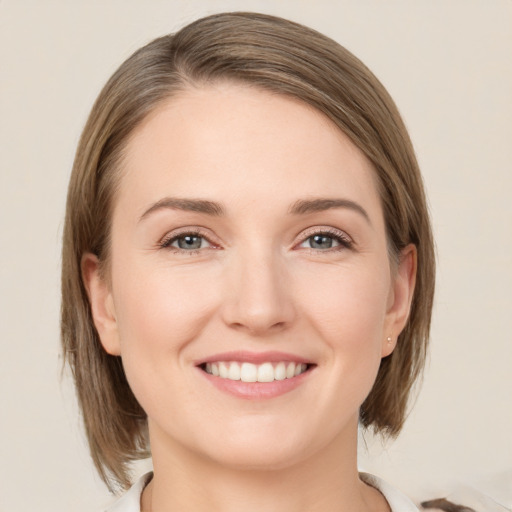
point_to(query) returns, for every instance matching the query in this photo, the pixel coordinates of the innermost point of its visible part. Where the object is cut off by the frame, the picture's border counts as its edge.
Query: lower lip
(256, 390)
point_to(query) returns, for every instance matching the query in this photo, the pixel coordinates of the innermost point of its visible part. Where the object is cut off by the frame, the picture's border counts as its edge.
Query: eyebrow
(304, 206)
(188, 205)
(299, 207)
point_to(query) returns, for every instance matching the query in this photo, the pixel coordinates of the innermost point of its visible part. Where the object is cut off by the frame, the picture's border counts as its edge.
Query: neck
(327, 481)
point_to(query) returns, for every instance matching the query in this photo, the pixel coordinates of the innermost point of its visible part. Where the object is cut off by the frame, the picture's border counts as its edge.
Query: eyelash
(344, 241)
(167, 241)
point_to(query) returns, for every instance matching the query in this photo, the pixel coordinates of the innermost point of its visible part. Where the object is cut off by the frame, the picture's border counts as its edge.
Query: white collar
(398, 502)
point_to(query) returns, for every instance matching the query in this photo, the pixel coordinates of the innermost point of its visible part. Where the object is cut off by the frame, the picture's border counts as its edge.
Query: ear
(400, 298)
(102, 304)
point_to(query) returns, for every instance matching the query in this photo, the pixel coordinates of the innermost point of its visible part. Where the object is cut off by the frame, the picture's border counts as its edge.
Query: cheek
(160, 312)
(346, 302)
(347, 309)
(161, 308)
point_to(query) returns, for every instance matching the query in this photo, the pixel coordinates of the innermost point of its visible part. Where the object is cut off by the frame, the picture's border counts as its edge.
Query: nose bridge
(259, 299)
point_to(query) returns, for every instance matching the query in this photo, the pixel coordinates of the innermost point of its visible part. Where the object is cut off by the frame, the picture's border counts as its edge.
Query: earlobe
(401, 294)
(102, 304)
(388, 346)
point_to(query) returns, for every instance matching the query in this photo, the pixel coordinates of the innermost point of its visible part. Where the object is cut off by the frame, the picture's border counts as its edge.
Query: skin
(257, 283)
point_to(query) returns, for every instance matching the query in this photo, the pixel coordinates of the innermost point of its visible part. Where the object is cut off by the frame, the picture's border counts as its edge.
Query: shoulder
(398, 502)
(130, 500)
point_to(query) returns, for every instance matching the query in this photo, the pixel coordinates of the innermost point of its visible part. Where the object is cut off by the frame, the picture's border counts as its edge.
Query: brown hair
(279, 56)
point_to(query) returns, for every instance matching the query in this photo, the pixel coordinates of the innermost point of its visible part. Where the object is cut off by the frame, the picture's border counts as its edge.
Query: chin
(261, 447)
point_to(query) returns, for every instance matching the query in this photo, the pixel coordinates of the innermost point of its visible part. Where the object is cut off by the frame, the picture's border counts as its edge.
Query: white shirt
(398, 502)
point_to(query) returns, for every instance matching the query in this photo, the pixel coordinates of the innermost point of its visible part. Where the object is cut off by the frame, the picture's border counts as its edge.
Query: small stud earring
(389, 339)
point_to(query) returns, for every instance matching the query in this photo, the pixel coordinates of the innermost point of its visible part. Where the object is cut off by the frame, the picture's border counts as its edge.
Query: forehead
(231, 141)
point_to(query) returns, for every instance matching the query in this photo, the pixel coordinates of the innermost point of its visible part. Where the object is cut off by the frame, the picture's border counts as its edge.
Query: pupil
(189, 242)
(322, 242)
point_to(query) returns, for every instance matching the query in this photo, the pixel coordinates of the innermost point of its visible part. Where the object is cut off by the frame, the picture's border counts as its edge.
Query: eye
(186, 242)
(326, 240)
(189, 242)
(320, 241)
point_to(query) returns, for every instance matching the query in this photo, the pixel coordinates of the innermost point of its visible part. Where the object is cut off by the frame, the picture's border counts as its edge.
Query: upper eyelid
(345, 241)
(195, 231)
(329, 230)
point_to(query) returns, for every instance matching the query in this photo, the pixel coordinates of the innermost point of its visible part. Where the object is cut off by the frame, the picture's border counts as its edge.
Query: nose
(260, 299)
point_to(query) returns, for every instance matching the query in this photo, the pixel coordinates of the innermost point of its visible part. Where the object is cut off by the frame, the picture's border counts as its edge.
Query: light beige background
(448, 66)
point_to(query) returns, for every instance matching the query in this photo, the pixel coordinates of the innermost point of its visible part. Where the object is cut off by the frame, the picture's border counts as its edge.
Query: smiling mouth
(249, 372)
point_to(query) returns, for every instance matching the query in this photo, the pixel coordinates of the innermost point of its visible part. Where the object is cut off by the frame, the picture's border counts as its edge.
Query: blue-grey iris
(321, 242)
(190, 242)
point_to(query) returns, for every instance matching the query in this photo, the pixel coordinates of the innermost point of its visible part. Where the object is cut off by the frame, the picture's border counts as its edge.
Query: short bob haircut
(275, 55)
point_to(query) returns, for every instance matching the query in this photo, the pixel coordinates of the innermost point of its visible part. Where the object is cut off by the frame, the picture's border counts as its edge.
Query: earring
(389, 340)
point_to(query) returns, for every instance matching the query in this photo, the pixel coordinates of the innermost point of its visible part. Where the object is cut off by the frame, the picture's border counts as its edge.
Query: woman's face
(248, 240)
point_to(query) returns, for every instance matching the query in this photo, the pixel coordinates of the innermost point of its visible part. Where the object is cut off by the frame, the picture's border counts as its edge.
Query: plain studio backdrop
(447, 64)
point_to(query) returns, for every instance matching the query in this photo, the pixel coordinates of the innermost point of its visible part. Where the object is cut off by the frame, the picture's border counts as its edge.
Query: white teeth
(249, 372)
(266, 372)
(223, 370)
(280, 371)
(234, 371)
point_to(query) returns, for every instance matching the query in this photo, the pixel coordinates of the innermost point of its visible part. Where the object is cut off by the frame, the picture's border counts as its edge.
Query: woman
(248, 271)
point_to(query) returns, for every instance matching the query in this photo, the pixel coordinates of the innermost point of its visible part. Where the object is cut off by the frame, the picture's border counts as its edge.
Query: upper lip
(253, 357)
